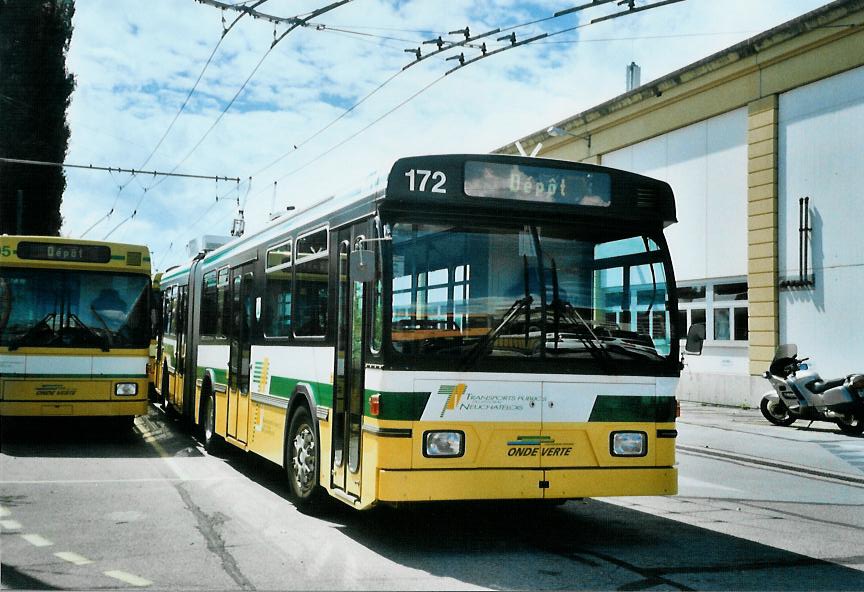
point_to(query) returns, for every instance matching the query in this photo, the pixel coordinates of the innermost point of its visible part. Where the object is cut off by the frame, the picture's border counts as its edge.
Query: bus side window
(168, 313)
(312, 274)
(223, 306)
(278, 295)
(209, 308)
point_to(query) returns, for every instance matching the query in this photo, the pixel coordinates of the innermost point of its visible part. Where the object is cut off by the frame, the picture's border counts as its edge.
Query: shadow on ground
(96, 437)
(584, 544)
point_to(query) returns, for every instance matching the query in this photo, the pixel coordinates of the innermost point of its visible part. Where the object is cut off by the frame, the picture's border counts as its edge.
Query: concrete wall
(821, 155)
(706, 165)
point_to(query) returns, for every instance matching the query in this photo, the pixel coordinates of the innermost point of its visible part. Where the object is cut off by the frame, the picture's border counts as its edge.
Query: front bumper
(70, 409)
(486, 484)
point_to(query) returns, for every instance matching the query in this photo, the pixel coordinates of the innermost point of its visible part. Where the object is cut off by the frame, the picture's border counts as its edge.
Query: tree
(35, 90)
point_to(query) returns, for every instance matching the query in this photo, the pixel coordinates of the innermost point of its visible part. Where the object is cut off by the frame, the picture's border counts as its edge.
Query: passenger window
(312, 285)
(277, 307)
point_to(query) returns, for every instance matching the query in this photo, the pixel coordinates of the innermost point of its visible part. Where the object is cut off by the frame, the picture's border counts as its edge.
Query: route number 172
(437, 177)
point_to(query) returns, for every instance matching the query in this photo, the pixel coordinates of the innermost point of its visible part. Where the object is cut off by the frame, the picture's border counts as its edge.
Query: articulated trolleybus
(480, 327)
(74, 327)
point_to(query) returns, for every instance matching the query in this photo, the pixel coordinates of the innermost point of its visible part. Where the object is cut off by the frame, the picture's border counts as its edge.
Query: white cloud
(135, 63)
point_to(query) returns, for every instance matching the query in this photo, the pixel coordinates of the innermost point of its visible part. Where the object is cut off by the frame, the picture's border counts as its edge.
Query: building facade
(763, 144)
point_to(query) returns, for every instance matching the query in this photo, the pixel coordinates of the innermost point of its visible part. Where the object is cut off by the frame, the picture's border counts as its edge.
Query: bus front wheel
(302, 461)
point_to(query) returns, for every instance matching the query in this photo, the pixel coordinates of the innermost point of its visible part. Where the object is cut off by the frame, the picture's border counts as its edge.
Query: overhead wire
(293, 23)
(463, 64)
(225, 31)
(441, 49)
(200, 219)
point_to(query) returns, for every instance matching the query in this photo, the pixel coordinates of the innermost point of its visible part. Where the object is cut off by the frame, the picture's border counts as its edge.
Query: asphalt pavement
(814, 448)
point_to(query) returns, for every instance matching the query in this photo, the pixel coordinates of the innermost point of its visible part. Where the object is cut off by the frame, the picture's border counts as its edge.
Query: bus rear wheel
(208, 427)
(302, 461)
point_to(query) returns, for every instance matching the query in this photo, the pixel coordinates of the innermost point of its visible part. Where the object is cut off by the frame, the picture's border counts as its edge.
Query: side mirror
(695, 339)
(362, 265)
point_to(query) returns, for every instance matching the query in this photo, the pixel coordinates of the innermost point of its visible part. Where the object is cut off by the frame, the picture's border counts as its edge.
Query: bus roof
(479, 182)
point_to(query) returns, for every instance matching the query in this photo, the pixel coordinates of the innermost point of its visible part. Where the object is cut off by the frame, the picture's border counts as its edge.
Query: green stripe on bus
(280, 386)
(220, 375)
(404, 406)
(633, 409)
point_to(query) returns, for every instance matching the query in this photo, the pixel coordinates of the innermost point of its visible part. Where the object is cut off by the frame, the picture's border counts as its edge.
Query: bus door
(348, 369)
(242, 311)
(182, 327)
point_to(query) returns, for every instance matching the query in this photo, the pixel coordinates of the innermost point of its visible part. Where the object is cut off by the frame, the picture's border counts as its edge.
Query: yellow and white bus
(74, 327)
(476, 327)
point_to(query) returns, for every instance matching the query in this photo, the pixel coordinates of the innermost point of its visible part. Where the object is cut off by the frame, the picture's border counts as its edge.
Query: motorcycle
(800, 393)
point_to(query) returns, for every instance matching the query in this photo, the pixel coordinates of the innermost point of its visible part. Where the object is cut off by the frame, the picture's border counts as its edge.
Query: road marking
(127, 577)
(10, 525)
(851, 452)
(73, 558)
(36, 540)
(142, 480)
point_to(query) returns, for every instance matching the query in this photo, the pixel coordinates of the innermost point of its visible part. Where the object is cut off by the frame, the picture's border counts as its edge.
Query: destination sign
(64, 252)
(537, 184)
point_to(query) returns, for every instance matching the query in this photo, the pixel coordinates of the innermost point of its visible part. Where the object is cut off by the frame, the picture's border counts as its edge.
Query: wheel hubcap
(304, 458)
(776, 410)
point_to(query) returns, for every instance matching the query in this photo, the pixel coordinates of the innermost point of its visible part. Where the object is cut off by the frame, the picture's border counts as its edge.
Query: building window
(721, 305)
(730, 312)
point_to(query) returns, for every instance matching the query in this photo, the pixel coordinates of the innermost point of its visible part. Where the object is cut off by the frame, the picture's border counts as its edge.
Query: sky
(307, 124)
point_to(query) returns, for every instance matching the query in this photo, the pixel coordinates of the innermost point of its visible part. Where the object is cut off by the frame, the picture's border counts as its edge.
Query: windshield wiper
(483, 344)
(563, 308)
(42, 325)
(104, 339)
(623, 345)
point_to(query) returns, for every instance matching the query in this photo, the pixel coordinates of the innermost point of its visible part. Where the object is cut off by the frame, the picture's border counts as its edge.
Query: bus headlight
(628, 443)
(443, 444)
(126, 389)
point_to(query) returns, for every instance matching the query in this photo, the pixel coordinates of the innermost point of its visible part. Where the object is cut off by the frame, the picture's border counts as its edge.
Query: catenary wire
(295, 23)
(225, 32)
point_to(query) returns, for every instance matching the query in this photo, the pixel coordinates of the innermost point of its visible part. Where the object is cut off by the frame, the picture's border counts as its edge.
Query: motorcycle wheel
(851, 424)
(776, 412)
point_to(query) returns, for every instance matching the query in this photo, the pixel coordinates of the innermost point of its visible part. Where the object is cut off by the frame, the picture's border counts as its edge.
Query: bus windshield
(67, 308)
(542, 294)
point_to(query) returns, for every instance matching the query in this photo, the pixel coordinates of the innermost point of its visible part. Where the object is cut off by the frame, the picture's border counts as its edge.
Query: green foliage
(35, 90)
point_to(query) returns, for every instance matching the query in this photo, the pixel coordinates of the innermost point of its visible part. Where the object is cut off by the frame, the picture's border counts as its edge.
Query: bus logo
(55, 390)
(260, 374)
(454, 395)
(531, 446)
(531, 441)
